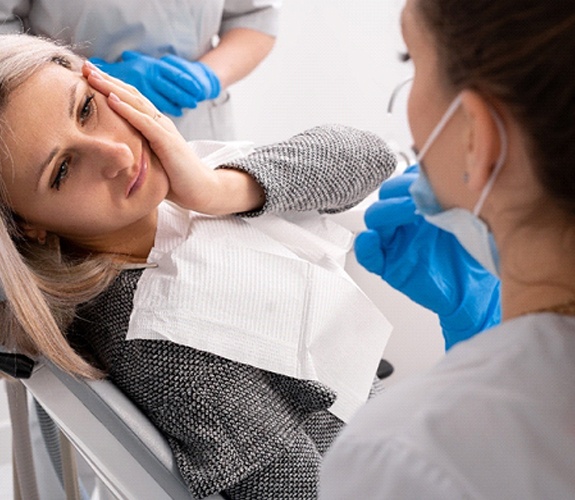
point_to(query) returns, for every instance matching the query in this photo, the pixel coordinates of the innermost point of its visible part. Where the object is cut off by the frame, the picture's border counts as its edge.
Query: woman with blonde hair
(87, 164)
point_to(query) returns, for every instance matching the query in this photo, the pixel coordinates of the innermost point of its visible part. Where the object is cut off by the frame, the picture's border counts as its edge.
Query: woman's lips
(140, 176)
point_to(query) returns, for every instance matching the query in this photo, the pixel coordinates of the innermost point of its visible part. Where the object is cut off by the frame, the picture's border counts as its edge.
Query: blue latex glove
(204, 77)
(169, 87)
(426, 263)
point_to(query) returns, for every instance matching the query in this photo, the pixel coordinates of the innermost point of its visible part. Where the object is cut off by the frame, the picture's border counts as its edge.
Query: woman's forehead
(48, 80)
(45, 95)
(36, 110)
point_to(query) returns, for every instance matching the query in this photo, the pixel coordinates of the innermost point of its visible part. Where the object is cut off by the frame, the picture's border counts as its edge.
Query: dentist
(492, 115)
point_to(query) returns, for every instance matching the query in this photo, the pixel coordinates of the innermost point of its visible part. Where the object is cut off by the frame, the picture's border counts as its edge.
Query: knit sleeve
(329, 168)
(230, 425)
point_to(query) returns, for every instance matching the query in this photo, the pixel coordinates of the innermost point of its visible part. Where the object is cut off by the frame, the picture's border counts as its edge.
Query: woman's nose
(115, 157)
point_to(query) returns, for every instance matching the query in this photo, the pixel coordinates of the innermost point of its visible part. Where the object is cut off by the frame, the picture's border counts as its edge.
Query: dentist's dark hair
(521, 53)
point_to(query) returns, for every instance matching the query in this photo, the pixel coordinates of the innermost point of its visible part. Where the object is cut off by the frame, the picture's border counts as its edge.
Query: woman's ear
(483, 143)
(33, 233)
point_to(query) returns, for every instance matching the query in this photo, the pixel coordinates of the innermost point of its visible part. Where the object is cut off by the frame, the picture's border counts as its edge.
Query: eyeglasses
(395, 92)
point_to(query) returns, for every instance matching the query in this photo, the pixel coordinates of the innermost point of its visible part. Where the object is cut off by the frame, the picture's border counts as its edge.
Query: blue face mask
(468, 228)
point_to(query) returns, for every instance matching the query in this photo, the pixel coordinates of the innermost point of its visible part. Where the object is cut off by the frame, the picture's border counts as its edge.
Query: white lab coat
(494, 420)
(105, 28)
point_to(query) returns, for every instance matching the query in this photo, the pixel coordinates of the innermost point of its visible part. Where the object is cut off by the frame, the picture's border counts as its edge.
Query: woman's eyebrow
(72, 99)
(71, 112)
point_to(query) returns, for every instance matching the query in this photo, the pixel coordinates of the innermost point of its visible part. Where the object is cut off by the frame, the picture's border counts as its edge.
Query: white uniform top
(186, 28)
(494, 420)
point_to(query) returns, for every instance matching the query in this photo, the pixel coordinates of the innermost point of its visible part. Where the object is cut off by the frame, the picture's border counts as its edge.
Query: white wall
(334, 61)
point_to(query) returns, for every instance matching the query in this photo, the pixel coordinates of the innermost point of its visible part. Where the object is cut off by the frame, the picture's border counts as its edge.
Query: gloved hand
(426, 263)
(204, 77)
(170, 84)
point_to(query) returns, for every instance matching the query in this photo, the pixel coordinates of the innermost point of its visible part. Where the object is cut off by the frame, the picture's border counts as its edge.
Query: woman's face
(429, 99)
(75, 167)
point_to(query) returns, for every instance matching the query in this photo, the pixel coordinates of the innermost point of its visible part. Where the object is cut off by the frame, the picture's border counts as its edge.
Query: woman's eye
(87, 108)
(61, 174)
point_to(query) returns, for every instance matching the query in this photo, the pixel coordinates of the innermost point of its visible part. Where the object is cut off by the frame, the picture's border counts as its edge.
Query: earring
(32, 233)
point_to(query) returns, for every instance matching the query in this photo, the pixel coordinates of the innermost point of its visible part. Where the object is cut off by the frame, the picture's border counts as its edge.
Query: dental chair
(122, 446)
(119, 443)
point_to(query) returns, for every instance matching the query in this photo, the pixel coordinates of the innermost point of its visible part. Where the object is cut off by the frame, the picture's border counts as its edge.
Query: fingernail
(114, 97)
(89, 64)
(96, 75)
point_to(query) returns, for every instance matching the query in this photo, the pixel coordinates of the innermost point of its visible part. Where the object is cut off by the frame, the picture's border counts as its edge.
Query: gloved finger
(171, 92)
(368, 252)
(387, 215)
(184, 77)
(412, 169)
(164, 105)
(129, 55)
(200, 73)
(397, 186)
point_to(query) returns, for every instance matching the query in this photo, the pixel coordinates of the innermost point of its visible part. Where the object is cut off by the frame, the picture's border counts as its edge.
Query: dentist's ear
(483, 141)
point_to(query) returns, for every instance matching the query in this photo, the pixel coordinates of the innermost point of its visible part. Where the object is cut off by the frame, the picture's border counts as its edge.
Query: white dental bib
(269, 291)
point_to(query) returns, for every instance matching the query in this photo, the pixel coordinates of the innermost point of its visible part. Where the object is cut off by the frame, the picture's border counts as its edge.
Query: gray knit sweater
(234, 428)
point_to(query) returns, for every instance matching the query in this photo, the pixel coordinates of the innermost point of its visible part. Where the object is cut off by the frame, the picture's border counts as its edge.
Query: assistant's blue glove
(167, 85)
(204, 77)
(426, 263)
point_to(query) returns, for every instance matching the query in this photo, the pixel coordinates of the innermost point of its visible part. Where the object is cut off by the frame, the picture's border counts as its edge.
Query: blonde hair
(43, 286)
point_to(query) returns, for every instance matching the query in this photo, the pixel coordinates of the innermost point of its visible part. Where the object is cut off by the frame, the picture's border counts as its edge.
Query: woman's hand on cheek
(193, 185)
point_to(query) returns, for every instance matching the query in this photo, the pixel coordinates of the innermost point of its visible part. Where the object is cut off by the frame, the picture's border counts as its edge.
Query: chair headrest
(16, 365)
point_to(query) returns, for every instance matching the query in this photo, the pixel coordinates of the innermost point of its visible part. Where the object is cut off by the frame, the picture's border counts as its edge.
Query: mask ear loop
(498, 164)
